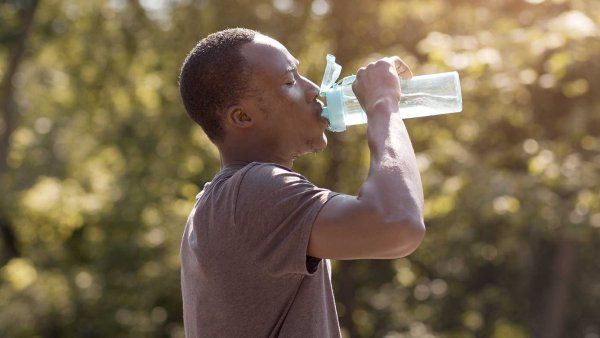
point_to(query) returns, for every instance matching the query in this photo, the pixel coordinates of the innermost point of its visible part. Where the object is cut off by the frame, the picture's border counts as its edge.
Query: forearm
(393, 184)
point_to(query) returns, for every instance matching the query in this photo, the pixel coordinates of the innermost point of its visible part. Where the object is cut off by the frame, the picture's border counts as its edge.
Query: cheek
(287, 111)
(293, 96)
(298, 95)
(281, 104)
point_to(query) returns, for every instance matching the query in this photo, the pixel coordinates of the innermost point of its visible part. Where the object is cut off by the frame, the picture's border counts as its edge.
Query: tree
(101, 169)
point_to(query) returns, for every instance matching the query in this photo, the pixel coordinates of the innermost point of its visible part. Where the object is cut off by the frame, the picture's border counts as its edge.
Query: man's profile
(256, 247)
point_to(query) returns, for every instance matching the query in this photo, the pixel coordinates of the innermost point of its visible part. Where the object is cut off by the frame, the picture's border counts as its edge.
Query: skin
(281, 118)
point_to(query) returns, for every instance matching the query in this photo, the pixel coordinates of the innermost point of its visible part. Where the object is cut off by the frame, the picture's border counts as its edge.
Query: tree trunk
(556, 307)
(9, 122)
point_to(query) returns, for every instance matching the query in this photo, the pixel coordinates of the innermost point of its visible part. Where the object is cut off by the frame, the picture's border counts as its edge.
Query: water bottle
(423, 95)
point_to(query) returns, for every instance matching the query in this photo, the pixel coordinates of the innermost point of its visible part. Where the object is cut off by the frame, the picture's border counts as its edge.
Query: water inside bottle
(423, 104)
(353, 113)
(411, 105)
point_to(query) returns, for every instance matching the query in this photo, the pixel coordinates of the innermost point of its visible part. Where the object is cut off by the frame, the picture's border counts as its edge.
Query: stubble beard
(314, 149)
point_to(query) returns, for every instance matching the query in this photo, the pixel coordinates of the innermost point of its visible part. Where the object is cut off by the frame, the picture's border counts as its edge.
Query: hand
(377, 86)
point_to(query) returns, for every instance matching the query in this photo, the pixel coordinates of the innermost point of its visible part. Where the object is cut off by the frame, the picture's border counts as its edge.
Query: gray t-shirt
(245, 270)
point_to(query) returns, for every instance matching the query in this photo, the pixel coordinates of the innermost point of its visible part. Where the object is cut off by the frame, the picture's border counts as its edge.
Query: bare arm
(385, 220)
(394, 184)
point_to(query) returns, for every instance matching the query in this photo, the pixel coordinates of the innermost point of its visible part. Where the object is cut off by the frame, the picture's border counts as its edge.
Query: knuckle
(387, 62)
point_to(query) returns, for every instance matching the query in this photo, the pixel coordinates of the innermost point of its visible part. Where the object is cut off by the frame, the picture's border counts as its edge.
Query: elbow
(410, 234)
(418, 231)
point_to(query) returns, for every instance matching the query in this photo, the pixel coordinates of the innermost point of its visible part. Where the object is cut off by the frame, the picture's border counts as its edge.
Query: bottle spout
(333, 96)
(332, 73)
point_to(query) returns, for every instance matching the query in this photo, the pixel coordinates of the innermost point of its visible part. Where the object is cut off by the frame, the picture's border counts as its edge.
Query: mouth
(324, 121)
(321, 119)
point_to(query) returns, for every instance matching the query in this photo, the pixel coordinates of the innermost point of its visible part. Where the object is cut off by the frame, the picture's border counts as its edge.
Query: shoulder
(268, 181)
(270, 174)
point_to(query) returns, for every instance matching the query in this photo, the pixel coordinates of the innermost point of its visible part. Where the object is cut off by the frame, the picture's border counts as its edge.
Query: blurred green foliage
(102, 163)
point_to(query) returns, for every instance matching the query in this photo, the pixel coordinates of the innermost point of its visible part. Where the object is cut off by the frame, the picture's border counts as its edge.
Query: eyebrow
(293, 68)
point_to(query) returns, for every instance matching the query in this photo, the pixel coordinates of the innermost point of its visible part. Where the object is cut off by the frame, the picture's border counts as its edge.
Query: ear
(236, 116)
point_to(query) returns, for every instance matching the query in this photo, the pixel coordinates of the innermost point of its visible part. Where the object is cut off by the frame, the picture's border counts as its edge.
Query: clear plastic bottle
(423, 95)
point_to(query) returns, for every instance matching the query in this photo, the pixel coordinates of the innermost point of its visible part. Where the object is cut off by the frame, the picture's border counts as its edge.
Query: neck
(231, 156)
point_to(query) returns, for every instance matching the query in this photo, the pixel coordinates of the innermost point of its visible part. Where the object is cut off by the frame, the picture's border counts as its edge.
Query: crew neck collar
(235, 165)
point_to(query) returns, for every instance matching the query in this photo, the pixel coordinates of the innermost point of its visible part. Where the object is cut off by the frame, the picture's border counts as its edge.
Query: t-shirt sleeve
(275, 211)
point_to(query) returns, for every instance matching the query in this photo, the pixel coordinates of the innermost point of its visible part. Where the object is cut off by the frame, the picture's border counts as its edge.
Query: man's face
(287, 113)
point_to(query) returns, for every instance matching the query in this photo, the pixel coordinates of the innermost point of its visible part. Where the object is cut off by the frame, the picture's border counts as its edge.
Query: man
(256, 245)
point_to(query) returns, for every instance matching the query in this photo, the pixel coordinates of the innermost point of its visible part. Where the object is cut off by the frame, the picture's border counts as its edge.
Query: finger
(401, 67)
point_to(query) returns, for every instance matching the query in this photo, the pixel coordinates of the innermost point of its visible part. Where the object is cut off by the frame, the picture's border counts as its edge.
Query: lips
(324, 122)
(319, 107)
(321, 119)
(319, 110)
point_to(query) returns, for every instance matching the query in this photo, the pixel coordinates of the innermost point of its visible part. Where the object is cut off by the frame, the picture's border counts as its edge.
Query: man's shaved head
(214, 75)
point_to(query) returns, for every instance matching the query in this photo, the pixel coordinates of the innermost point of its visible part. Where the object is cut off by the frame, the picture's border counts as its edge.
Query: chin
(319, 144)
(324, 139)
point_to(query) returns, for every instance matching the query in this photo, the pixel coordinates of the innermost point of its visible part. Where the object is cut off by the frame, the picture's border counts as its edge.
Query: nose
(312, 91)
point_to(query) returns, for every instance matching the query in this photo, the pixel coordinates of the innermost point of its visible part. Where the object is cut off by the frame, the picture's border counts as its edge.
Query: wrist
(385, 105)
